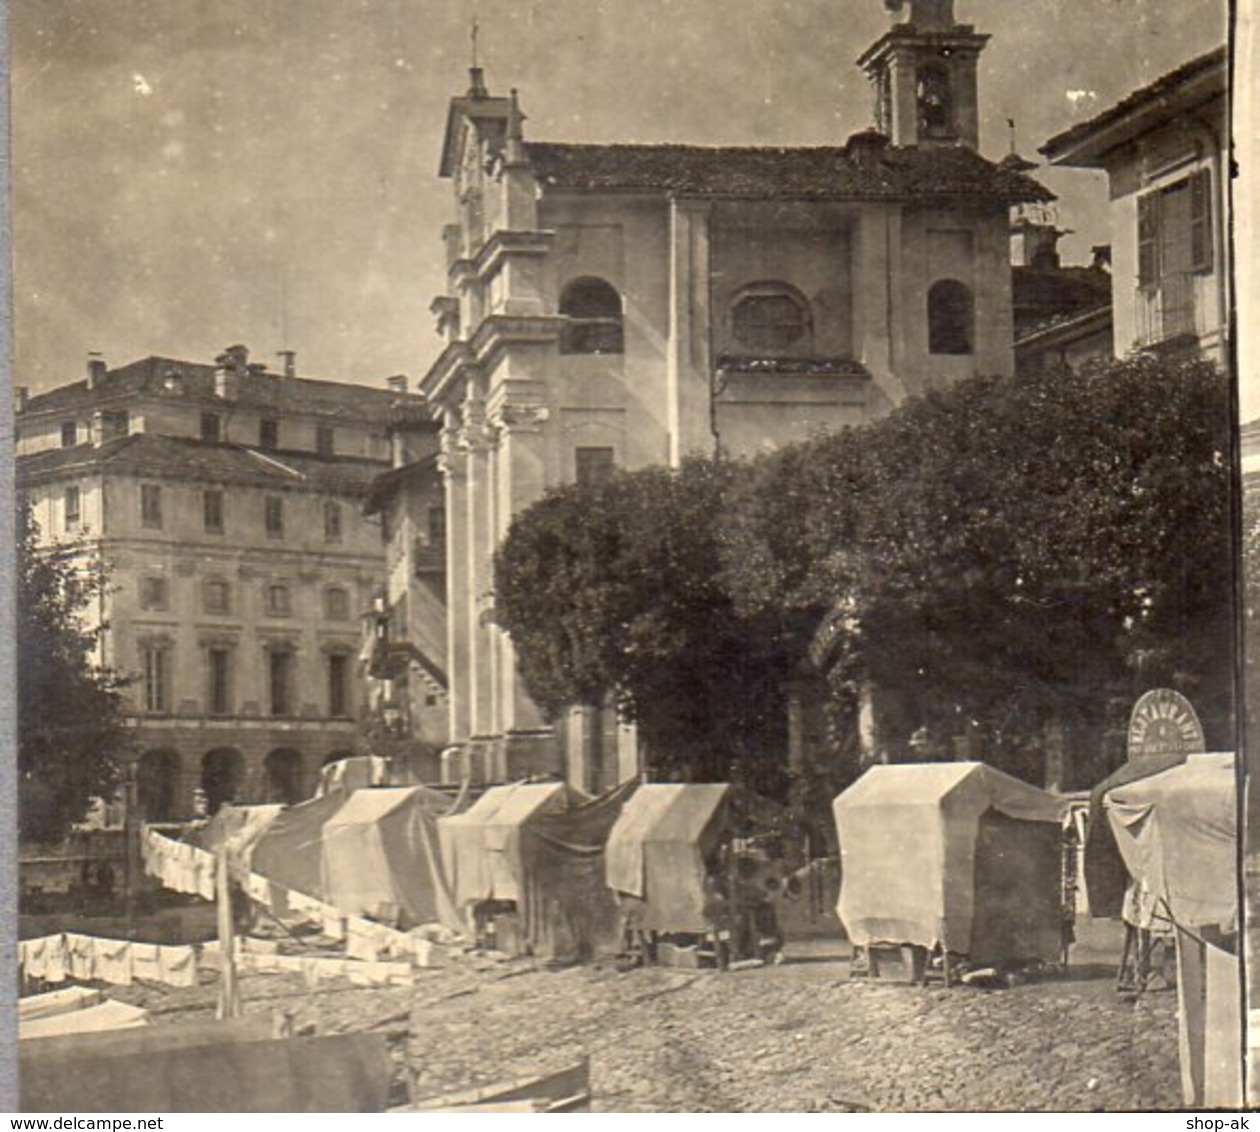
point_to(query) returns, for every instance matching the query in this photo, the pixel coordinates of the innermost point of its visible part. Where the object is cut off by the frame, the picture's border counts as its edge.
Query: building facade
(407, 666)
(1165, 149)
(1062, 312)
(626, 305)
(226, 504)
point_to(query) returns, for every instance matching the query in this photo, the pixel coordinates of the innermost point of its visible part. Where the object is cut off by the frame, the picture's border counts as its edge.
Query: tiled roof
(1090, 319)
(1166, 87)
(184, 458)
(822, 173)
(1039, 293)
(172, 378)
(388, 483)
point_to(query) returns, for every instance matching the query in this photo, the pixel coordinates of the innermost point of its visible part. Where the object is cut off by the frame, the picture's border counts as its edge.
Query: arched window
(222, 774)
(284, 776)
(936, 109)
(593, 308)
(157, 785)
(771, 319)
(951, 318)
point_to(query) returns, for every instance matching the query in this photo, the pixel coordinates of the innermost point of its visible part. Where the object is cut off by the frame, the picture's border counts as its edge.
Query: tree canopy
(612, 593)
(991, 560)
(70, 712)
(1008, 554)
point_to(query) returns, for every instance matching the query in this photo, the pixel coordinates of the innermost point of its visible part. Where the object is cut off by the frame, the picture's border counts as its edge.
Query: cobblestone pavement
(796, 1037)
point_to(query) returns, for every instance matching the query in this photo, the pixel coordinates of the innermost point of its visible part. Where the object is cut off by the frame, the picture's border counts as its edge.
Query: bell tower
(924, 72)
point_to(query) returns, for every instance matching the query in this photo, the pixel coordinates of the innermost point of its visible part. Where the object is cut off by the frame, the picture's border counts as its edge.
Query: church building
(616, 306)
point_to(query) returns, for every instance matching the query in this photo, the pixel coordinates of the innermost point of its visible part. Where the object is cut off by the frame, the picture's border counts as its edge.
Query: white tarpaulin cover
(656, 852)
(380, 854)
(75, 1010)
(917, 842)
(1178, 834)
(237, 828)
(481, 847)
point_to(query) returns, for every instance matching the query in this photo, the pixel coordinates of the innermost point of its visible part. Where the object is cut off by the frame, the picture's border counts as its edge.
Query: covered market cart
(695, 869)
(949, 860)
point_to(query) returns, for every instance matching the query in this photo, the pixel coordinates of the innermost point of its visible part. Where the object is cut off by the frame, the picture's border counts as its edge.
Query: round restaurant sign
(1164, 723)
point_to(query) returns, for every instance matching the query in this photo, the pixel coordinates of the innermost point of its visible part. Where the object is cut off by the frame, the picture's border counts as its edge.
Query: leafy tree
(70, 711)
(790, 565)
(612, 593)
(994, 561)
(1034, 553)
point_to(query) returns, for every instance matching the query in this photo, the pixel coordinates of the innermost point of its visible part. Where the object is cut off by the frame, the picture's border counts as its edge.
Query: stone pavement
(801, 1037)
(796, 1037)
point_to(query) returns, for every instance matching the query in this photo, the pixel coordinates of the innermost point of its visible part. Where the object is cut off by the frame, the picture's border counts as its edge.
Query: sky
(189, 174)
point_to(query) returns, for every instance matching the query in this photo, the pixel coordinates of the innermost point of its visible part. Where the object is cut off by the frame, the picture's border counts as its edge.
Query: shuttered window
(1175, 230)
(1201, 221)
(1148, 239)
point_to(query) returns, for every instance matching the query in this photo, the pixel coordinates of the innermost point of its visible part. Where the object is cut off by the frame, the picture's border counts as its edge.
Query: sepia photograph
(622, 556)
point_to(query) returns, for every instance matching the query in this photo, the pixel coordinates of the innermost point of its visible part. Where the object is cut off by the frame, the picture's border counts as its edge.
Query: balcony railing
(592, 336)
(1169, 309)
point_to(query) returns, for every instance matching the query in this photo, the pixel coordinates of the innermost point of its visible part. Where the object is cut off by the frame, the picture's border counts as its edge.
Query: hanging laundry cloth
(55, 960)
(144, 962)
(113, 961)
(178, 966)
(80, 957)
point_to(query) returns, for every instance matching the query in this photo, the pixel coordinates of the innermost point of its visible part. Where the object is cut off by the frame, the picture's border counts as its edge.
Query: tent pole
(229, 998)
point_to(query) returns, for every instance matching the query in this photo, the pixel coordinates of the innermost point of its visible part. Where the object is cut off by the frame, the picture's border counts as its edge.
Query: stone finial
(932, 15)
(514, 153)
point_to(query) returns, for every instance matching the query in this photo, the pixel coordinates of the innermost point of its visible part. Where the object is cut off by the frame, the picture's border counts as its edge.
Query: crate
(905, 964)
(506, 934)
(688, 957)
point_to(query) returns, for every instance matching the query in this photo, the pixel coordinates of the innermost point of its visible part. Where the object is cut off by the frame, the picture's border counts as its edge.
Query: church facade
(617, 306)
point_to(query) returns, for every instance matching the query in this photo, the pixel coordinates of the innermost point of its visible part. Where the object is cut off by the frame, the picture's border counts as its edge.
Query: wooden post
(229, 998)
(796, 753)
(133, 829)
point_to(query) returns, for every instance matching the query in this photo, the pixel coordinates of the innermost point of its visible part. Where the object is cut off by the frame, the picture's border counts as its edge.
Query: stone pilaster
(688, 366)
(877, 314)
(522, 479)
(476, 439)
(453, 464)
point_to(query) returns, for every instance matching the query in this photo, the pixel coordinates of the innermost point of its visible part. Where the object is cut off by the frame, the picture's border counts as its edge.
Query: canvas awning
(657, 849)
(94, 1018)
(74, 1010)
(355, 772)
(381, 857)
(481, 847)
(1177, 832)
(566, 909)
(290, 850)
(1106, 877)
(917, 840)
(237, 828)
